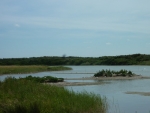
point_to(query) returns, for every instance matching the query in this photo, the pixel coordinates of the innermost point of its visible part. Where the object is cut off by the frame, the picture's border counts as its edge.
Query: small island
(117, 75)
(102, 76)
(109, 73)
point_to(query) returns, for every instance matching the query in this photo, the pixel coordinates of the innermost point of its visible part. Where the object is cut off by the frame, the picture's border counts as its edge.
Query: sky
(84, 28)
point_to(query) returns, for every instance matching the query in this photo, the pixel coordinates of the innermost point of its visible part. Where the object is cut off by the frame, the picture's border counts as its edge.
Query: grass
(30, 69)
(24, 96)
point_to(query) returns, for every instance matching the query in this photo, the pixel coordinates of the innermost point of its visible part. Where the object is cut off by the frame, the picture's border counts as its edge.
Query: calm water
(113, 90)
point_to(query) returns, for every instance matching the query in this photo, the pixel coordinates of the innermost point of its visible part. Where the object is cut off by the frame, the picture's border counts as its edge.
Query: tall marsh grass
(24, 96)
(30, 69)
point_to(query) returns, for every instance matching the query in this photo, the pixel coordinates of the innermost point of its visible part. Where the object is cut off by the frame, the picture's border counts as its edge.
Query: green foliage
(43, 79)
(20, 108)
(108, 73)
(134, 59)
(26, 96)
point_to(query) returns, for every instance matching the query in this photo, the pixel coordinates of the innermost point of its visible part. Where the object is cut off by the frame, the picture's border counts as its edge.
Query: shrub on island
(109, 73)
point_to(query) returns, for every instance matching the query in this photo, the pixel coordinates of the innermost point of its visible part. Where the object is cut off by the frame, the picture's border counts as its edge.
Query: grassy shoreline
(24, 96)
(29, 69)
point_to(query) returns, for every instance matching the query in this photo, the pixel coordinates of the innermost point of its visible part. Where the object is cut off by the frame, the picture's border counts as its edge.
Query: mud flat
(75, 83)
(94, 78)
(139, 93)
(110, 78)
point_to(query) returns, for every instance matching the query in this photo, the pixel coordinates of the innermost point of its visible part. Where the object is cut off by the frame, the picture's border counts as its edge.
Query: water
(113, 90)
(119, 101)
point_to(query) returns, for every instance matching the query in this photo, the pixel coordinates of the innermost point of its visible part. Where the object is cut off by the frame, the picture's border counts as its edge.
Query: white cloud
(17, 25)
(128, 39)
(112, 16)
(108, 43)
(105, 24)
(87, 42)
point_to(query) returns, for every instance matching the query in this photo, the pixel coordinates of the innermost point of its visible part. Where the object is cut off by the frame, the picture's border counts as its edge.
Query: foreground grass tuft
(24, 96)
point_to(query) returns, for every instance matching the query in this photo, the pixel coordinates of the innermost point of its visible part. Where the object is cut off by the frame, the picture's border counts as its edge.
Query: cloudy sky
(92, 28)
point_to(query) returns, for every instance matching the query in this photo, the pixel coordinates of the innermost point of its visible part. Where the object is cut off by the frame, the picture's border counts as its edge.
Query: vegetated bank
(45, 79)
(15, 69)
(133, 59)
(27, 96)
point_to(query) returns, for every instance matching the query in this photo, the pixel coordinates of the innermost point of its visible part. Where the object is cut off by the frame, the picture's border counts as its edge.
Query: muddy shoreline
(139, 93)
(102, 79)
(110, 78)
(75, 83)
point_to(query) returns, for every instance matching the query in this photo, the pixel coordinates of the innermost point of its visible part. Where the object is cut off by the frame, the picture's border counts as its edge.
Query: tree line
(134, 59)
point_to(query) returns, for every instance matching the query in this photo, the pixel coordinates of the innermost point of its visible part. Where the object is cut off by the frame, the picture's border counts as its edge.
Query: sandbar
(101, 80)
(139, 93)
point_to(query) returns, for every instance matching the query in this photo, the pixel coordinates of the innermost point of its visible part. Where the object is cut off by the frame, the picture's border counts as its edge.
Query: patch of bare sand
(94, 78)
(139, 93)
(109, 78)
(75, 83)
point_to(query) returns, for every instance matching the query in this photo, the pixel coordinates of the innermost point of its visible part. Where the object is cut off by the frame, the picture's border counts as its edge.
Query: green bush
(43, 79)
(108, 73)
